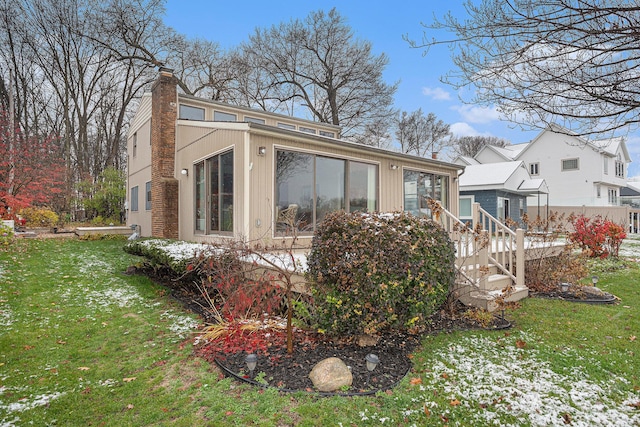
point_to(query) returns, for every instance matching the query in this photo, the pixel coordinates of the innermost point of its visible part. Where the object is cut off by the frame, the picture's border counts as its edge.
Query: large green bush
(375, 272)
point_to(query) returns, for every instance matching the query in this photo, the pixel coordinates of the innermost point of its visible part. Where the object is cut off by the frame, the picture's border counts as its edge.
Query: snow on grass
(6, 316)
(496, 380)
(89, 264)
(27, 403)
(121, 296)
(180, 325)
(630, 247)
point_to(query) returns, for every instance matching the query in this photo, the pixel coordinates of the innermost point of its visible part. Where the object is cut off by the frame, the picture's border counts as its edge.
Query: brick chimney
(164, 186)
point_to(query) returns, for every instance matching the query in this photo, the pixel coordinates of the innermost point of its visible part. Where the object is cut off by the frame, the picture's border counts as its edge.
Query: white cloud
(465, 129)
(437, 93)
(475, 114)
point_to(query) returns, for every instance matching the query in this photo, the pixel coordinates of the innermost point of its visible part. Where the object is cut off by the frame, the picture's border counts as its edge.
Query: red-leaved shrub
(596, 236)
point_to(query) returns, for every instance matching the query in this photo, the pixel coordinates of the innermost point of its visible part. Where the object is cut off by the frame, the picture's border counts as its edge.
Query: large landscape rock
(331, 374)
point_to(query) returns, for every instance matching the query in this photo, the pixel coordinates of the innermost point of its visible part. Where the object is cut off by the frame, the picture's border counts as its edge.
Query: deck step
(487, 299)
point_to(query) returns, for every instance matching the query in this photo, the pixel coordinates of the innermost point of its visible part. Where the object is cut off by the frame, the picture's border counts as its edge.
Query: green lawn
(83, 344)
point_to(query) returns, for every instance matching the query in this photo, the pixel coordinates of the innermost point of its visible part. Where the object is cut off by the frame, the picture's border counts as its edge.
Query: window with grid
(619, 169)
(570, 165)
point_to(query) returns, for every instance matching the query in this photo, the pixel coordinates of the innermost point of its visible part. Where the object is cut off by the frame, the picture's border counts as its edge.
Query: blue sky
(230, 23)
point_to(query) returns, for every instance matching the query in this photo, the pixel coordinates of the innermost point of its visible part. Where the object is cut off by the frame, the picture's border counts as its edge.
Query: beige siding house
(201, 170)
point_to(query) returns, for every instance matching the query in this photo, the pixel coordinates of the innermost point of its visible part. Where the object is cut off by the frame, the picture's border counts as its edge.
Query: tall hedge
(376, 272)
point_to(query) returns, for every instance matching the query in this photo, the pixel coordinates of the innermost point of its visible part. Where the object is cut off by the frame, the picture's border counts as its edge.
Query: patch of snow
(180, 325)
(87, 264)
(121, 296)
(506, 380)
(30, 402)
(6, 316)
(179, 251)
(287, 262)
(108, 382)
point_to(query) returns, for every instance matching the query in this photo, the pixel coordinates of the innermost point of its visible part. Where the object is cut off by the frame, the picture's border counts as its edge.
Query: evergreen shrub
(377, 272)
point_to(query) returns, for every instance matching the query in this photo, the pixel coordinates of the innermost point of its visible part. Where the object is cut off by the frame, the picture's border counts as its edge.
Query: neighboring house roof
(611, 146)
(465, 161)
(629, 192)
(501, 154)
(508, 176)
(634, 185)
(531, 186)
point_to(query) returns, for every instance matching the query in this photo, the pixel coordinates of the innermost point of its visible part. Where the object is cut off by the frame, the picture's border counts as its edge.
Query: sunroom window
(309, 186)
(419, 187)
(214, 178)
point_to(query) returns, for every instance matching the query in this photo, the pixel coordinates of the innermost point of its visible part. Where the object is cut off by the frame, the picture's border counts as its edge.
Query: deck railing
(486, 240)
(506, 249)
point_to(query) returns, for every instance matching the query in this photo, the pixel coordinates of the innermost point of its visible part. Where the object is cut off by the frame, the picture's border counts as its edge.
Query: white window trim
(562, 164)
(473, 200)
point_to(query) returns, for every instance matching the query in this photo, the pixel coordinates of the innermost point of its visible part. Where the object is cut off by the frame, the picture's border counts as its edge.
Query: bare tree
(376, 134)
(419, 134)
(317, 65)
(77, 67)
(570, 62)
(470, 145)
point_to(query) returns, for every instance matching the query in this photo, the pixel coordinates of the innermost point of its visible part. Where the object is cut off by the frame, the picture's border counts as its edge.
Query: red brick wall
(164, 187)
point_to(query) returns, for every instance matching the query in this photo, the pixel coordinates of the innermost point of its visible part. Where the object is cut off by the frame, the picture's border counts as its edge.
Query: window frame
(147, 200)
(472, 200)
(257, 120)
(419, 209)
(133, 195)
(534, 169)
(287, 126)
(310, 227)
(564, 163)
(187, 112)
(327, 134)
(203, 200)
(223, 116)
(619, 167)
(307, 130)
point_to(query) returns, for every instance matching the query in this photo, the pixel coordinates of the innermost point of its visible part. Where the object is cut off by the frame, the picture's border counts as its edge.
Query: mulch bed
(578, 294)
(289, 372)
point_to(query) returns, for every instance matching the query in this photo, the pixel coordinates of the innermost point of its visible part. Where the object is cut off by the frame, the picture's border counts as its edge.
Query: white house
(578, 172)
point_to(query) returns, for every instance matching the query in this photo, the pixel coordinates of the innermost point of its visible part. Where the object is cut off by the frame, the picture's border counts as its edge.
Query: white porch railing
(486, 241)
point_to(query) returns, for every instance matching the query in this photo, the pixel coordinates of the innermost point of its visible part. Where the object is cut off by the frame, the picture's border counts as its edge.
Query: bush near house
(597, 237)
(229, 285)
(39, 217)
(375, 272)
(165, 253)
